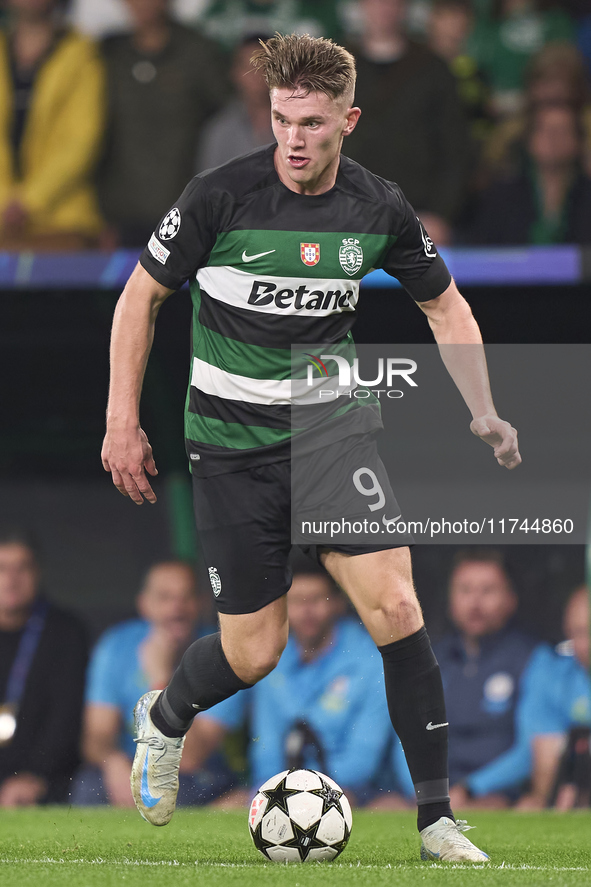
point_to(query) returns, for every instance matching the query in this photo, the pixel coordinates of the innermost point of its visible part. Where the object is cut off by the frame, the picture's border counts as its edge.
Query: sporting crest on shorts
(350, 256)
(310, 253)
(216, 582)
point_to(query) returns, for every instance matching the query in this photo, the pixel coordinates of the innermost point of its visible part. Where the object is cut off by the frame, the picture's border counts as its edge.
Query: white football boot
(155, 770)
(445, 842)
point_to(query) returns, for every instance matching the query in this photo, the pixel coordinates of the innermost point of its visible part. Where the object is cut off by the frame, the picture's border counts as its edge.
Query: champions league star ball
(300, 816)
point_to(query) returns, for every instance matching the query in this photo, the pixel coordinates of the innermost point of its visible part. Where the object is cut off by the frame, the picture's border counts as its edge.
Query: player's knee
(255, 661)
(401, 611)
(261, 664)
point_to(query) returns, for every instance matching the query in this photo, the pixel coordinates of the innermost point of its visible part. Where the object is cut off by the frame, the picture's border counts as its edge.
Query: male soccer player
(266, 242)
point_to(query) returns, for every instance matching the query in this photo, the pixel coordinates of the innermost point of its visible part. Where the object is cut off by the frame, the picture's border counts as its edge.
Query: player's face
(313, 609)
(18, 578)
(169, 602)
(309, 130)
(481, 600)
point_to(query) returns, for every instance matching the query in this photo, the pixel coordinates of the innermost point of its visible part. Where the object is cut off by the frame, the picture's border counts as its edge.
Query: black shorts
(246, 522)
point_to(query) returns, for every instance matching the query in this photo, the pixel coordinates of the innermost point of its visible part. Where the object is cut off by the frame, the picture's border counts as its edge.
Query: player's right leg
(243, 521)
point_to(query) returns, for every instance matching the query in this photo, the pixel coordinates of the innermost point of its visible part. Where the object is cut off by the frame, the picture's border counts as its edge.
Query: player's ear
(353, 115)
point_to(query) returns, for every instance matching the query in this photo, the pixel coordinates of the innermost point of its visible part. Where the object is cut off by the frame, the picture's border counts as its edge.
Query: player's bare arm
(126, 452)
(452, 323)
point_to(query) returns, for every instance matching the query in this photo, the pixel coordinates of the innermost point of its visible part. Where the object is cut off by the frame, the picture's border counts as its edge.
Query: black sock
(417, 710)
(203, 678)
(160, 721)
(427, 814)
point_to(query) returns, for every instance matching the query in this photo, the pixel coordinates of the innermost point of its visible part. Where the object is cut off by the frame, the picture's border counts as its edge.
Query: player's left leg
(380, 586)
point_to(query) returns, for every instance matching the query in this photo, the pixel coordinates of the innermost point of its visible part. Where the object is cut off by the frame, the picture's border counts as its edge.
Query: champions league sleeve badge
(350, 256)
(170, 224)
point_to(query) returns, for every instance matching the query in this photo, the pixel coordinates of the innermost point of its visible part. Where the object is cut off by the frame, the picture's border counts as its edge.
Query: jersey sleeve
(183, 239)
(413, 259)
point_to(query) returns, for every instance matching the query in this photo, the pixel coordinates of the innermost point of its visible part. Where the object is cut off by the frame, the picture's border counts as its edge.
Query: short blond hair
(306, 64)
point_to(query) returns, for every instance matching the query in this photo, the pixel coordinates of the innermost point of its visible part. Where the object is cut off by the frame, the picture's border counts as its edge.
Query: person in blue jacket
(324, 705)
(487, 666)
(559, 701)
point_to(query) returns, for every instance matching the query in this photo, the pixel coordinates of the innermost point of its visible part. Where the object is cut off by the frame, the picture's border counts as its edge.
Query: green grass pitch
(99, 848)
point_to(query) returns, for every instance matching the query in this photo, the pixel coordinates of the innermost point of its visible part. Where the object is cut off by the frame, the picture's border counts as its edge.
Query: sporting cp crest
(310, 253)
(216, 582)
(350, 256)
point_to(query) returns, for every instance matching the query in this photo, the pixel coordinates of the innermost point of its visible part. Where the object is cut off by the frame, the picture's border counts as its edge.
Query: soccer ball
(300, 816)
(170, 225)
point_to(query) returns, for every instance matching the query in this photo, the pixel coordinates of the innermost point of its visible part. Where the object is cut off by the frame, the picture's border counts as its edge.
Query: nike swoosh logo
(390, 520)
(147, 798)
(432, 726)
(246, 258)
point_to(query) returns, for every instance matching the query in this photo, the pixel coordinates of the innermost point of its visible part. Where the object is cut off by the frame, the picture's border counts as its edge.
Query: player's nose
(295, 137)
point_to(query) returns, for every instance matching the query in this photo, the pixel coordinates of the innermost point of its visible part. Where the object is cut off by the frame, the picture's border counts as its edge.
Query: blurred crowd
(479, 109)
(519, 709)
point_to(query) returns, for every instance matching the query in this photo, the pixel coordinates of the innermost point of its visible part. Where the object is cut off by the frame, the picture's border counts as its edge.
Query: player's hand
(501, 436)
(128, 455)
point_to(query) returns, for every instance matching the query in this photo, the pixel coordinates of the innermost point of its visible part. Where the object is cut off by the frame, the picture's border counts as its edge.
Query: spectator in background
(229, 22)
(245, 123)
(549, 199)
(414, 131)
(130, 659)
(51, 124)
(556, 75)
(164, 81)
(486, 666)
(323, 707)
(97, 17)
(448, 28)
(100, 17)
(43, 655)
(560, 702)
(503, 43)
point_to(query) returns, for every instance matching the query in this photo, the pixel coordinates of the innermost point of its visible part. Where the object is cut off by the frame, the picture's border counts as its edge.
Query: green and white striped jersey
(270, 269)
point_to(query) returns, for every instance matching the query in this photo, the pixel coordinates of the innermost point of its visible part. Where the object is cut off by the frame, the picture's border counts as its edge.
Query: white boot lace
(166, 767)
